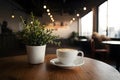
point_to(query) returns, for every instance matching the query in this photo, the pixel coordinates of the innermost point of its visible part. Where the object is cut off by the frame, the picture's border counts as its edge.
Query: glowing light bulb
(51, 16)
(44, 6)
(48, 13)
(78, 15)
(48, 10)
(13, 16)
(73, 19)
(84, 8)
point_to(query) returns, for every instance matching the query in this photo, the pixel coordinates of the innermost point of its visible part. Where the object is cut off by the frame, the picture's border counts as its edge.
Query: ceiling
(58, 6)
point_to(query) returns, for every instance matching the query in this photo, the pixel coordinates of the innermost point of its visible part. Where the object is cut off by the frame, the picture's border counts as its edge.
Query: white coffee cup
(67, 56)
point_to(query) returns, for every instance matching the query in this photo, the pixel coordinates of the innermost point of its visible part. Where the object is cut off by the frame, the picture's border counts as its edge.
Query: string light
(44, 6)
(52, 19)
(84, 8)
(49, 14)
(73, 19)
(78, 15)
(12, 16)
(48, 10)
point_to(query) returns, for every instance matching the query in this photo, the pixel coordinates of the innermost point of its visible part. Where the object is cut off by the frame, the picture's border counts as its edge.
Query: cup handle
(81, 53)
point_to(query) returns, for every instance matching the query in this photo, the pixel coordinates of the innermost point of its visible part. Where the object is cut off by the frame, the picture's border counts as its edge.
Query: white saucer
(77, 62)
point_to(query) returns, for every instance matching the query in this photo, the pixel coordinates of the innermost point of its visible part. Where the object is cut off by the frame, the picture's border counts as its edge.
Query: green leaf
(35, 33)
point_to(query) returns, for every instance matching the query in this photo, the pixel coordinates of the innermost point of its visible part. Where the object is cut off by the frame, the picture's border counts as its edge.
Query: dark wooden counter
(17, 68)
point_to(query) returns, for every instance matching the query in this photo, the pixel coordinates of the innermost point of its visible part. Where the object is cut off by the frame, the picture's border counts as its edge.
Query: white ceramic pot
(36, 54)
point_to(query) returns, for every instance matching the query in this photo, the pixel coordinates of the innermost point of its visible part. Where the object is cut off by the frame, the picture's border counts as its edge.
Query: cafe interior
(84, 25)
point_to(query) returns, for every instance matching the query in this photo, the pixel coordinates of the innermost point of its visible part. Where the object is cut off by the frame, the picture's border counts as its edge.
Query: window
(102, 19)
(114, 18)
(109, 18)
(87, 24)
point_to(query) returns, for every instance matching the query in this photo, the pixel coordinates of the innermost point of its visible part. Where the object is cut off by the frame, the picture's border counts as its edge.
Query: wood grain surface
(17, 68)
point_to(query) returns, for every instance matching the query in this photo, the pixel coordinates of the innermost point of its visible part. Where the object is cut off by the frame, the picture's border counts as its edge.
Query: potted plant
(35, 36)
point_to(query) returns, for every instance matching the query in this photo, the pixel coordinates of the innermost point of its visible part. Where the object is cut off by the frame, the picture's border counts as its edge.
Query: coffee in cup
(67, 56)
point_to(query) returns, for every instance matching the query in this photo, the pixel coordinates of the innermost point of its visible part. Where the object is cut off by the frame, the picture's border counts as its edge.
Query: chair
(101, 51)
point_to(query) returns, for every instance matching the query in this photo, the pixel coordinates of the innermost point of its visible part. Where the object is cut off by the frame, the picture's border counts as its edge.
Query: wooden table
(116, 45)
(17, 68)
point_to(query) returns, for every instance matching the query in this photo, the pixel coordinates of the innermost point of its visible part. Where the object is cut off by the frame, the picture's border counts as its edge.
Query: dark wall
(9, 45)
